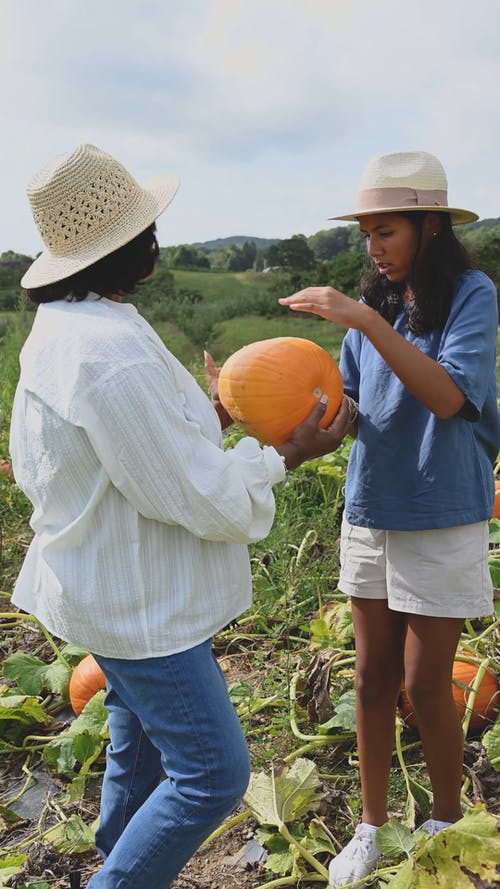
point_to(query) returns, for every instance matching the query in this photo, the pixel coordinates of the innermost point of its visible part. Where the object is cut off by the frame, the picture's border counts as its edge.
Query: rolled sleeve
(468, 341)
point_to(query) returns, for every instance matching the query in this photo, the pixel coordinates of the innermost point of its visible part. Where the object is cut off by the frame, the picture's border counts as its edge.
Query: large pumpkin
(86, 679)
(487, 699)
(496, 502)
(271, 386)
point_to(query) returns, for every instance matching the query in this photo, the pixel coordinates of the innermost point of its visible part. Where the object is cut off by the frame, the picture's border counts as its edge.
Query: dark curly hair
(119, 272)
(433, 280)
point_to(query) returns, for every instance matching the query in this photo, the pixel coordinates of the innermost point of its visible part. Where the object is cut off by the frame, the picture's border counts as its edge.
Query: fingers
(298, 300)
(210, 366)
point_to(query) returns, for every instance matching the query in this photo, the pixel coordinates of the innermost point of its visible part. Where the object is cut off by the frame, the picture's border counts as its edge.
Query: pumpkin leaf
(17, 712)
(491, 741)
(57, 676)
(81, 740)
(32, 675)
(494, 531)
(73, 653)
(344, 716)
(8, 817)
(26, 670)
(395, 839)
(283, 797)
(461, 856)
(494, 566)
(9, 866)
(71, 836)
(421, 795)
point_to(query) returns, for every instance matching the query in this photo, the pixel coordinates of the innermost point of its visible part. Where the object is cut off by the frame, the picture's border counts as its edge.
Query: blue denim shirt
(409, 470)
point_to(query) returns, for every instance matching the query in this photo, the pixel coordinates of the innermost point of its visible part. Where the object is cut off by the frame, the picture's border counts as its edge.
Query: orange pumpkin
(496, 502)
(86, 679)
(487, 699)
(6, 470)
(271, 386)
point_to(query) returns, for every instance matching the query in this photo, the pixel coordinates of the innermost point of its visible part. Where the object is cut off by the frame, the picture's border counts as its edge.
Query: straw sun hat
(86, 205)
(407, 180)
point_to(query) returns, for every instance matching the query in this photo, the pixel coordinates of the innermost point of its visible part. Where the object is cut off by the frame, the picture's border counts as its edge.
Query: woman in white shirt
(141, 520)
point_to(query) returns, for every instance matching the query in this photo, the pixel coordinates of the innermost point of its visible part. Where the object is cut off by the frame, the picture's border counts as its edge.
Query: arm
(425, 378)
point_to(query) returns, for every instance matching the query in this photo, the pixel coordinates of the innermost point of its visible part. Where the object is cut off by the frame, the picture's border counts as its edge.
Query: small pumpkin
(487, 699)
(271, 386)
(86, 679)
(496, 502)
(6, 470)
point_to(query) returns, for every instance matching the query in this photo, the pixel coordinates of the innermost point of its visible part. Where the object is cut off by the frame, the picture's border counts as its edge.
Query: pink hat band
(390, 198)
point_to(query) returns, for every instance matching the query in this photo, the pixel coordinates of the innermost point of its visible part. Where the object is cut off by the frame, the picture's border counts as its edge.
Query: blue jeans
(168, 716)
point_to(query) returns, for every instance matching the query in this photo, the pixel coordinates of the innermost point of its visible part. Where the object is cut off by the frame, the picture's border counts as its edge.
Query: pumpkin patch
(86, 679)
(271, 386)
(487, 699)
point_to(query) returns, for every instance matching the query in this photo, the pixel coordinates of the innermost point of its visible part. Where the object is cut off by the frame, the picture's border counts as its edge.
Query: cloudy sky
(267, 109)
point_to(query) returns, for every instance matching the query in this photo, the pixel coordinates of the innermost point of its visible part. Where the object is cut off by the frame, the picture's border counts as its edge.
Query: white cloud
(268, 110)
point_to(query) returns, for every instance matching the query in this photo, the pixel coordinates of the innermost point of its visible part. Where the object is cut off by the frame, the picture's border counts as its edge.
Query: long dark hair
(433, 279)
(119, 272)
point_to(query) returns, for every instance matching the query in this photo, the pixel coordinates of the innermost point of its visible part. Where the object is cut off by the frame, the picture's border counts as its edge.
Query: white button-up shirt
(141, 519)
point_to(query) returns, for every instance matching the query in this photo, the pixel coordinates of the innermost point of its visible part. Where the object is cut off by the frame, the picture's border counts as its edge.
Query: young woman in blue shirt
(420, 359)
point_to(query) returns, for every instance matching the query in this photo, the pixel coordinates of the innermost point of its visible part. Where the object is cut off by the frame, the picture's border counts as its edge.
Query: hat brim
(154, 197)
(458, 217)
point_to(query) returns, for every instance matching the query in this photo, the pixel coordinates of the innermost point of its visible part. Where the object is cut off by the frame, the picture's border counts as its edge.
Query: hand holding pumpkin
(309, 440)
(212, 375)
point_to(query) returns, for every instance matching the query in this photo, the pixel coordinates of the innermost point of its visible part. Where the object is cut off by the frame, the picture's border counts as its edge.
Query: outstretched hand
(328, 303)
(308, 440)
(212, 375)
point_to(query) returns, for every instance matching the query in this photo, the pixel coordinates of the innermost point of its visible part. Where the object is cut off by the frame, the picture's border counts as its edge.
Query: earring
(434, 234)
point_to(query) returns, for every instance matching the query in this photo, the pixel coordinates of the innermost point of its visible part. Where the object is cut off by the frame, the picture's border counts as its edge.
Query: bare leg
(431, 643)
(380, 638)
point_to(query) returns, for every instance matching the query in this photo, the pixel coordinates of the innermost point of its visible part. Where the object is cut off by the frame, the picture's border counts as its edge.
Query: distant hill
(235, 239)
(481, 223)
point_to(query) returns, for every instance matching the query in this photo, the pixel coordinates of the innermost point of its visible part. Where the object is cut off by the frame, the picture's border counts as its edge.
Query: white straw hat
(406, 180)
(86, 205)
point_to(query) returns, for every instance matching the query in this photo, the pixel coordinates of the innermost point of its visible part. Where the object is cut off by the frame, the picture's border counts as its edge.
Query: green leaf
(334, 628)
(73, 653)
(494, 566)
(32, 675)
(280, 863)
(36, 886)
(459, 857)
(8, 819)
(494, 531)
(71, 836)
(81, 740)
(23, 710)
(344, 716)
(10, 865)
(56, 678)
(26, 670)
(421, 795)
(85, 745)
(93, 719)
(394, 839)
(491, 741)
(59, 755)
(280, 798)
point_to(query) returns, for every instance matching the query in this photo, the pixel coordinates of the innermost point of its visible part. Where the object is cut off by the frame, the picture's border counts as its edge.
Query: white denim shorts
(440, 573)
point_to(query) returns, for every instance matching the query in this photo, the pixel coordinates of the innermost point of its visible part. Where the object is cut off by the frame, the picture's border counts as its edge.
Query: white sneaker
(433, 827)
(356, 860)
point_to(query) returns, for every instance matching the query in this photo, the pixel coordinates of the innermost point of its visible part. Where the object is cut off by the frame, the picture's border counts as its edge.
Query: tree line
(336, 255)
